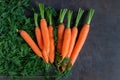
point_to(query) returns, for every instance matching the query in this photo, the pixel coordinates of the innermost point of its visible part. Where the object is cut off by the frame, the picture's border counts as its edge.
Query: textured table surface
(100, 56)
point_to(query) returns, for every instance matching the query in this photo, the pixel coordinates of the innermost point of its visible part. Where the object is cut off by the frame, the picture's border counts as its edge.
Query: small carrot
(82, 37)
(45, 32)
(38, 32)
(30, 42)
(61, 30)
(74, 32)
(67, 37)
(51, 36)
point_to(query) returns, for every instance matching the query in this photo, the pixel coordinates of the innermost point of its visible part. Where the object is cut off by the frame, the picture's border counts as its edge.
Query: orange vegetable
(61, 30)
(74, 33)
(38, 32)
(82, 37)
(67, 37)
(30, 42)
(51, 36)
(45, 32)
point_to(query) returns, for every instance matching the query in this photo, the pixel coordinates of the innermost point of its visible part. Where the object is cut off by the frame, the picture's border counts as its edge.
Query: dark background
(100, 56)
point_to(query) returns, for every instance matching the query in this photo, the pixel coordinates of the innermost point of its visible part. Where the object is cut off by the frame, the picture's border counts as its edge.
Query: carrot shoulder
(81, 38)
(61, 30)
(30, 42)
(67, 37)
(38, 32)
(45, 32)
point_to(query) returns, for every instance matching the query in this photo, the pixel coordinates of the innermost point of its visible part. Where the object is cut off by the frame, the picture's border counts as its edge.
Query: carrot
(51, 36)
(82, 37)
(30, 42)
(45, 32)
(61, 30)
(38, 32)
(67, 37)
(74, 33)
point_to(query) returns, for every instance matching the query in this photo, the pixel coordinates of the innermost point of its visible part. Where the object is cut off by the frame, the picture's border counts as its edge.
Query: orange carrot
(51, 36)
(45, 32)
(38, 32)
(67, 37)
(82, 37)
(30, 42)
(61, 30)
(74, 33)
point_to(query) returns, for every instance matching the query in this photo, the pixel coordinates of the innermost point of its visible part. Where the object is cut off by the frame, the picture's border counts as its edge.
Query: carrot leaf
(41, 8)
(36, 19)
(49, 15)
(69, 18)
(79, 15)
(62, 15)
(89, 16)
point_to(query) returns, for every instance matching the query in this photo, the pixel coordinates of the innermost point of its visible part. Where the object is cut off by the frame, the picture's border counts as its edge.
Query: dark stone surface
(100, 56)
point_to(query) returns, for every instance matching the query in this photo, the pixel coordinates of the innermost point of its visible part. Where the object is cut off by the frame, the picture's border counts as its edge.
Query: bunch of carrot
(68, 45)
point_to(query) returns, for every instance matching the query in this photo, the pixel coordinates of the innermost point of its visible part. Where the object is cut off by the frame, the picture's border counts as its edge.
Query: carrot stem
(69, 18)
(41, 8)
(89, 17)
(62, 15)
(36, 19)
(49, 15)
(79, 15)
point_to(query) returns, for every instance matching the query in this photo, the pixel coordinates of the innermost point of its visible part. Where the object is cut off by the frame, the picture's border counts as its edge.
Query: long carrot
(61, 30)
(51, 36)
(82, 37)
(45, 32)
(30, 42)
(67, 37)
(38, 32)
(74, 33)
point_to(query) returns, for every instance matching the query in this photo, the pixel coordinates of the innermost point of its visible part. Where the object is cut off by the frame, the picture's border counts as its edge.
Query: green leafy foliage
(17, 60)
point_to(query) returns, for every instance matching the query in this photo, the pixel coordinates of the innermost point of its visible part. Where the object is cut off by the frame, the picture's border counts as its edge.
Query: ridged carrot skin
(60, 37)
(45, 35)
(39, 37)
(74, 32)
(66, 42)
(79, 44)
(52, 45)
(45, 55)
(30, 42)
(38, 32)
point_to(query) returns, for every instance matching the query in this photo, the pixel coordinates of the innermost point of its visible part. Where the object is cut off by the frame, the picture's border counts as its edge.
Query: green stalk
(41, 8)
(36, 19)
(62, 15)
(69, 18)
(79, 15)
(89, 17)
(49, 15)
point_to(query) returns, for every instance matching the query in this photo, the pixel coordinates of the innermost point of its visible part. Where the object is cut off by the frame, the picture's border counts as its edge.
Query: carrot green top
(69, 18)
(79, 15)
(49, 15)
(36, 19)
(62, 15)
(41, 8)
(89, 17)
